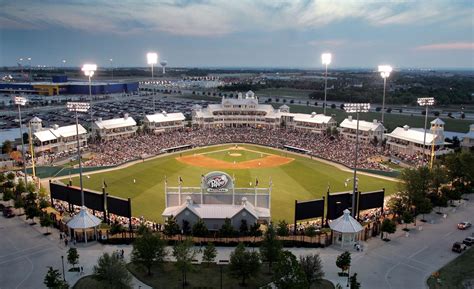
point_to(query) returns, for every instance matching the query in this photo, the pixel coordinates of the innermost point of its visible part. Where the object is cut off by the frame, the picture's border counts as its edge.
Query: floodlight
(326, 58)
(89, 69)
(356, 107)
(78, 106)
(19, 100)
(426, 101)
(152, 58)
(385, 70)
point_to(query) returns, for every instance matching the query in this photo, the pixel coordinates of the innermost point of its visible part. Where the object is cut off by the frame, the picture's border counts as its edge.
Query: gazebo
(84, 221)
(345, 229)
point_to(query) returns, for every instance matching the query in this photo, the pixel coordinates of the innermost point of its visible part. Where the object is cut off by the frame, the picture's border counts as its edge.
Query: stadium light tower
(385, 73)
(29, 64)
(112, 67)
(426, 102)
(326, 59)
(89, 70)
(79, 107)
(357, 108)
(152, 59)
(21, 101)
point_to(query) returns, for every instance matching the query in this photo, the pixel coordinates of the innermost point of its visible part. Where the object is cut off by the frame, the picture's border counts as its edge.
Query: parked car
(464, 225)
(458, 247)
(468, 241)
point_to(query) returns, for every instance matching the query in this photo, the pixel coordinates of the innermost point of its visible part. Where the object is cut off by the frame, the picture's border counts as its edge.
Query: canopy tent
(345, 228)
(83, 221)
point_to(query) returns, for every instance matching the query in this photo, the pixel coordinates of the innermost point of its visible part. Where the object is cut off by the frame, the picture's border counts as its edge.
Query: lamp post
(357, 108)
(79, 107)
(29, 64)
(62, 261)
(64, 65)
(326, 59)
(89, 70)
(152, 59)
(426, 102)
(385, 73)
(21, 101)
(21, 66)
(112, 67)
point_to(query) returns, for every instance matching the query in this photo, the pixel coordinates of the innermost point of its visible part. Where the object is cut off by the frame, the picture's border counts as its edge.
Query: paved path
(404, 262)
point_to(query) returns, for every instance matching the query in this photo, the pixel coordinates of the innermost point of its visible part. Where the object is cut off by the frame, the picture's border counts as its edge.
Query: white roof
(164, 117)
(84, 220)
(414, 135)
(44, 135)
(35, 119)
(363, 125)
(312, 118)
(346, 224)
(437, 121)
(115, 123)
(67, 131)
(217, 211)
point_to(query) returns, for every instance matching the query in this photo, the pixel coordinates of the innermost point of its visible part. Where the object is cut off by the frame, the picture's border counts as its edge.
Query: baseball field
(293, 176)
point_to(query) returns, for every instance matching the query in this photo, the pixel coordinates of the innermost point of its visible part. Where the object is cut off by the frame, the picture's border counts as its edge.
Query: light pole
(29, 64)
(21, 101)
(79, 107)
(152, 59)
(112, 66)
(426, 102)
(89, 70)
(385, 73)
(357, 108)
(326, 59)
(62, 261)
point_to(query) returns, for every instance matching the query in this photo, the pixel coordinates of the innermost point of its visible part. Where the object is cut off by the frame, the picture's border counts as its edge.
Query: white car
(464, 225)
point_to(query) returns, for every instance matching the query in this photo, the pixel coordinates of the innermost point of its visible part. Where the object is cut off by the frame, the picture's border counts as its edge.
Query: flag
(256, 182)
(180, 180)
(202, 179)
(104, 185)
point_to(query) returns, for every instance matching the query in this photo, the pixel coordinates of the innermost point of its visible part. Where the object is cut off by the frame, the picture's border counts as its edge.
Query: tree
(53, 280)
(227, 230)
(388, 226)
(255, 231)
(244, 264)
(184, 254)
(353, 282)
(310, 231)
(72, 257)
(407, 218)
(343, 261)
(171, 227)
(16, 156)
(200, 229)
(148, 250)
(7, 147)
(142, 229)
(19, 204)
(112, 272)
(312, 268)
(209, 254)
(271, 247)
(31, 212)
(116, 228)
(282, 229)
(424, 207)
(289, 273)
(46, 221)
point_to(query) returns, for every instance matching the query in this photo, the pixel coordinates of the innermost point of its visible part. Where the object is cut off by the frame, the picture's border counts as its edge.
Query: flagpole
(255, 202)
(233, 191)
(166, 193)
(179, 190)
(202, 189)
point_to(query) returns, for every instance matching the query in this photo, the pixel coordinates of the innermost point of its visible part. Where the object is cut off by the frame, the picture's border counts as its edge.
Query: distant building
(247, 112)
(468, 139)
(368, 131)
(115, 128)
(409, 141)
(56, 139)
(164, 122)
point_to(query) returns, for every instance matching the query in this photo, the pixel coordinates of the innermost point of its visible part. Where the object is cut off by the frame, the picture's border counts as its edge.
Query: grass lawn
(455, 272)
(202, 277)
(301, 179)
(287, 92)
(87, 282)
(236, 155)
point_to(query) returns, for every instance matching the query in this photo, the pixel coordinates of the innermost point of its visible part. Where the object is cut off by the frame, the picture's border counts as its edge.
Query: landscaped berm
(293, 177)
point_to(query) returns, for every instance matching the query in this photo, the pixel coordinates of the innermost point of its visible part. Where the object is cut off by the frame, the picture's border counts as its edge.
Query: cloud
(447, 46)
(221, 17)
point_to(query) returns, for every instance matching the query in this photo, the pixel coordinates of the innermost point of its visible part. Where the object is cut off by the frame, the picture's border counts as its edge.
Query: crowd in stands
(331, 148)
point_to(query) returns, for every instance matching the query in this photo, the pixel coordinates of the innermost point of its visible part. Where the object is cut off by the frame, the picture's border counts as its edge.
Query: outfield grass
(455, 272)
(287, 92)
(302, 179)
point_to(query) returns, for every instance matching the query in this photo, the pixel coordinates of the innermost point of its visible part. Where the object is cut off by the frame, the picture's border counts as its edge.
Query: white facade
(115, 128)
(247, 112)
(368, 131)
(409, 141)
(57, 139)
(468, 139)
(164, 122)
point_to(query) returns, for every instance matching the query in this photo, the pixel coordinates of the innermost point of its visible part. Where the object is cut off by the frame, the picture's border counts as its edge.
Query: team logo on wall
(217, 182)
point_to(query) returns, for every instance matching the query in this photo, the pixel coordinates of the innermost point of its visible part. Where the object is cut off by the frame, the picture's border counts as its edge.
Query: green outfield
(231, 155)
(301, 179)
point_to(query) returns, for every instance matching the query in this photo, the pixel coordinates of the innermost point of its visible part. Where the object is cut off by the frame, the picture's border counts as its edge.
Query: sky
(239, 33)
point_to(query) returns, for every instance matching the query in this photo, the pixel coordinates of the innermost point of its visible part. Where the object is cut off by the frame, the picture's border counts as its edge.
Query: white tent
(83, 221)
(345, 228)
